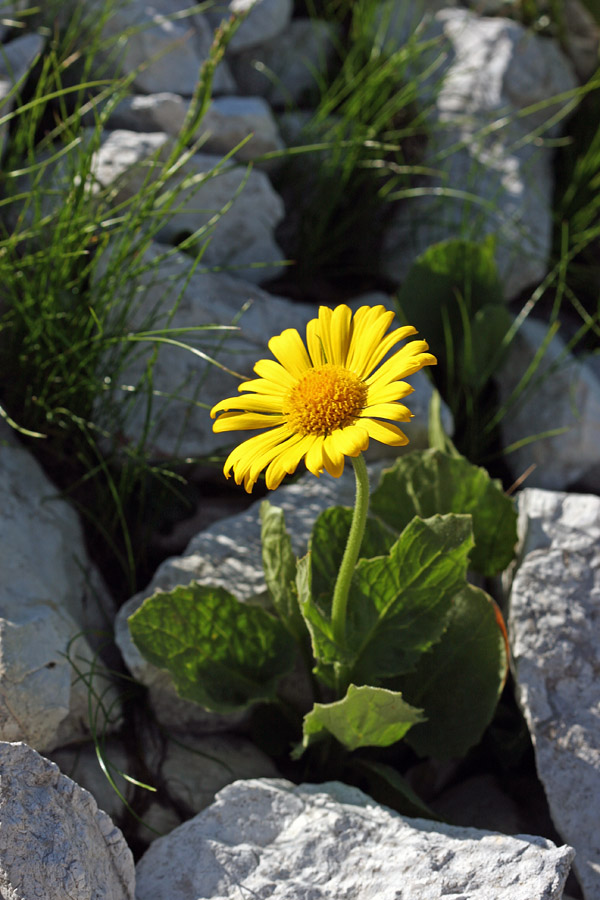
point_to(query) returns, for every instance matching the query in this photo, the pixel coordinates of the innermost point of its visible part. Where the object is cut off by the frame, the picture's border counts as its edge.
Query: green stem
(357, 530)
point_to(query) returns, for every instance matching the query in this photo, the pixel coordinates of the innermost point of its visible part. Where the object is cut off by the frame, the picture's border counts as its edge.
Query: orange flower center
(325, 398)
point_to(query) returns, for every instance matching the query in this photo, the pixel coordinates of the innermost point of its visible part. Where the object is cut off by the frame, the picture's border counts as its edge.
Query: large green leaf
(327, 545)
(279, 564)
(398, 604)
(365, 717)
(450, 280)
(428, 481)
(458, 682)
(318, 622)
(221, 653)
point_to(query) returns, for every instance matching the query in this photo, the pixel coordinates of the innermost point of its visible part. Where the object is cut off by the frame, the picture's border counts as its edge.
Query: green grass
(70, 260)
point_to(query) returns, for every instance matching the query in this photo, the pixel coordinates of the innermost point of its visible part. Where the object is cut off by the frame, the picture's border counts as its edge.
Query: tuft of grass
(70, 259)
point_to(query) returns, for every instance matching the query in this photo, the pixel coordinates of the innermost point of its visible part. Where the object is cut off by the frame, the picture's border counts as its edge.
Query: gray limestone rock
(283, 70)
(564, 394)
(16, 59)
(237, 207)
(489, 71)
(54, 841)
(311, 842)
(265, 19)
(554, 625)
(52, 604)
(227, 122)
(165, 51)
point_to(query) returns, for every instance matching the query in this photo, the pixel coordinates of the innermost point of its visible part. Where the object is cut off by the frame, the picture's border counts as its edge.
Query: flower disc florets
(323, 400)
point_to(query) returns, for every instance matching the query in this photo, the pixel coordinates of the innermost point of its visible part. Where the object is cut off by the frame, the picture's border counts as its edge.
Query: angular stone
(49, 594)
(282, 70)
(493, 69)
(275, 839)
(554, 626)
(564, 393)
(243, 235)
(54, 841)
(227, 122)
(16, 59)
(170, 51)
(265, 20)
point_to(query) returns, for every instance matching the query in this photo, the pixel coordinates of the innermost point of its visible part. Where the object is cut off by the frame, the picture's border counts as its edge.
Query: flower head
(324, 400)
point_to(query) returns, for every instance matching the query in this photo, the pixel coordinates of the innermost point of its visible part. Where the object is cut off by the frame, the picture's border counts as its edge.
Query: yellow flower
(323, 404)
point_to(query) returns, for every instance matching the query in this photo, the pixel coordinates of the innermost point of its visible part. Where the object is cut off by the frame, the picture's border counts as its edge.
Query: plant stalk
(357, 530)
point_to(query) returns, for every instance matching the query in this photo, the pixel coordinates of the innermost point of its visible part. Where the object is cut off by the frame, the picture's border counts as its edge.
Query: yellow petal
(233, 421)
(387, 393)
(350, 441)
(385, 433)
(406, 361)
(314, 343)
(333, 458)
(272, 371)
(370, 324)
(286, 461)
(394, 411)
(264, 386)
(288, 347)
(314, 457)
(250, 403)
(381, 346)
(340, 330)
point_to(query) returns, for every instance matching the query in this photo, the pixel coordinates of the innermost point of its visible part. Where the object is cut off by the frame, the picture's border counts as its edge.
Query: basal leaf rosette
(323, 399)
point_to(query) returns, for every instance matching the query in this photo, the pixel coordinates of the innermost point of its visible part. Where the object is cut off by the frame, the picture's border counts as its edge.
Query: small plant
(397, 643)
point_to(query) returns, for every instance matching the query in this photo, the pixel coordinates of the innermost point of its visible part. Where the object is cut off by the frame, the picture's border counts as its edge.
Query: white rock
(191, 770)
(54, 841)
(565, 393)
(16, 59)
(577, 27)
(243, 234)
(168, 52)
(49, 594)
(492, 70)
(265, 20)
(227, 122)
(274, 839)
(554, 625)
(283, 70)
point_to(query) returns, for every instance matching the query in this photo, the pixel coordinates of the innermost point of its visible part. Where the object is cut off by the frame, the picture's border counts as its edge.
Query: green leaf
(387, 786)
(398, 604)
(223, 654)
(318, 622)
(327, 545)
(437, 437)
(449, 280)
(279, 564)
(458, 682)
(428, 481)
(365, 717)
